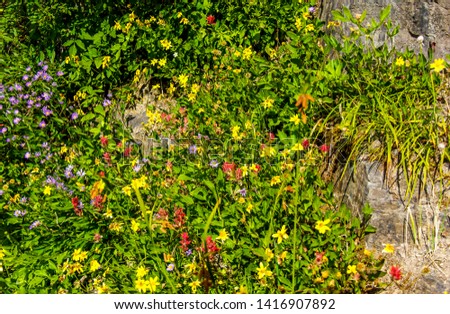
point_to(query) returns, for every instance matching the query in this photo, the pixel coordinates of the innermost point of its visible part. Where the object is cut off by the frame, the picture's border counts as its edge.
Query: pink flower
(271, 136)
(305, 143)
(324, 148)
(395, 272)
(104, 140)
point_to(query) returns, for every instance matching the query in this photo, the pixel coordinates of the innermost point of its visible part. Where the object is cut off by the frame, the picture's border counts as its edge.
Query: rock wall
(427, 18)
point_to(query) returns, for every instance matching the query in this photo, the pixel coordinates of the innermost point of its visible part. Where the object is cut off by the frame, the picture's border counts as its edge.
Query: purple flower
(46, 96)
(109, 95)
(45, 67)
(188, 252)
(20, 213)
(214, 163)
(13, 100)
(4, 130)
(47, 77)
(312, 9)
(243, 192)
(28, 84)
(42, 124)
(50, 180)
(25, 77)
(28, 69)
(74, 116)
(23, 200)
(137, 167)
(41, 63)
(193, 149)
(16, 120)
(45, 145)
(46, 111)
(1, 192)
(106, 102)
(59, 73)
(35, 224)
(37, 154)
(18, 87)
(16, 112)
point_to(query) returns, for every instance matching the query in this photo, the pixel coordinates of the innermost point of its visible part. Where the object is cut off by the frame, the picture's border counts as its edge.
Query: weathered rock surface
(426, 260)
(427, 18)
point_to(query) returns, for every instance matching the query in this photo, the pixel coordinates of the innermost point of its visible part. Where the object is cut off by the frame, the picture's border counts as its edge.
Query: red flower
(211, 20)
(271, 136)
(97, 238)
(185, 241)
(211, 245)
(76, 208)
(104, 140)
(239, 174)
(128, 151)
(319, 257)
(395, 272)
(305, 143)
(179, 219)
(101, 174)
(228, 167)
(107, 157)
(324, 148)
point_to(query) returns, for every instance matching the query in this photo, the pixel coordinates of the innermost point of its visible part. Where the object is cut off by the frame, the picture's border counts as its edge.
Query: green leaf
(80, 44)
(187, 200)
(73, 50)
(385, 13)
(100, 110)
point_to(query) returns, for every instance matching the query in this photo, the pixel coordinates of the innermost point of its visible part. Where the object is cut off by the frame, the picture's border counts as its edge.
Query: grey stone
(430, 19)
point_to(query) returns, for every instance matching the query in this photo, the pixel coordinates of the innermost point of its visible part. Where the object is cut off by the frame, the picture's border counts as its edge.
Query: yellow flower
(282, 257)
(134, 225)
(184, 21)
(248, 125)
(77, 267)
(194, 285)
(223, 235)
(182, 79)
(103, 289)
(242, 290)
(249, 208)
(166, 44)
(280, 234)
(309, 28)
(389, 248)
(115, 226)
(140, 285)
(108, 214)
(127, 190)
(298, 23)
(191, 97)
(168, 258)
(247, 53)
(191, 267)
(269, 255)
(297, 147)
(47, 190)
(322, 225)
(154, 61)
(399, 62)
(268, 103)
(79, 255)
(295, 119)
(351, 269)
(262, 271)
(367, 252)
(254, 168)
(171, 89)
(438, 65)
(117, 26)
(237, 54)
(94, 265)
(275, 180)
(67, 60)
(2, 253)
(105, 61)
(152, 283)
(162, 62)
(195, 88)
(179, 14)
(141, 272)
(306, 15)
(244, 169)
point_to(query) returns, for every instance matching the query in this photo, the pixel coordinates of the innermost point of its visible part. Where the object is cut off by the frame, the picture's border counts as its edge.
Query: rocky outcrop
(430, 19)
